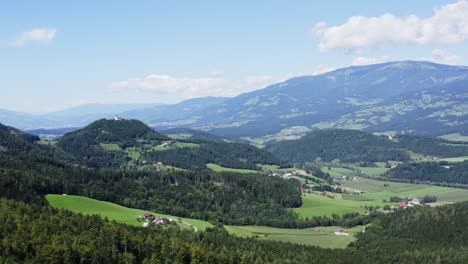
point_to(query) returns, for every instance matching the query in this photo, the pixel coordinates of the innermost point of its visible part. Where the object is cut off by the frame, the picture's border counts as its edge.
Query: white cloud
(37, 35)
(321, 68)
(190, 87)
(166, 84)
(448, 25)
(369, 60)
(444, 57)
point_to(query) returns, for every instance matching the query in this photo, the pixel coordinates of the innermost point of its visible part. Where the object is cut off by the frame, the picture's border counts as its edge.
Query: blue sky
(55, 55)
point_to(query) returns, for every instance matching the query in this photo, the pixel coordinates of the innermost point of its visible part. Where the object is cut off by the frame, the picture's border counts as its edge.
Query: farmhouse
(341, 233)
(148, 215)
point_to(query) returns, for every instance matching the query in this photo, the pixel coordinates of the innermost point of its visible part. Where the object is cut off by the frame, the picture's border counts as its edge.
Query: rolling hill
(359, 146)
(131, 143)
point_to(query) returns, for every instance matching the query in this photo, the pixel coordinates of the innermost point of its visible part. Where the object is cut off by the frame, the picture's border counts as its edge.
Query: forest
(441, 172)
(359, 146)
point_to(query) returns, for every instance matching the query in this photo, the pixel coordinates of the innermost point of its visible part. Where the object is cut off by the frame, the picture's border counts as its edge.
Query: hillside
(13, 141)
(442, 172)
(422, 97)
(358, 146)
(132, 144)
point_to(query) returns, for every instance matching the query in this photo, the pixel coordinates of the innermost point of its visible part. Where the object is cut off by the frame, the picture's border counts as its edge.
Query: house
(414, 202)
(148, 215)
(403, 205)
(302, 189)
(158, 221)
(340, 232)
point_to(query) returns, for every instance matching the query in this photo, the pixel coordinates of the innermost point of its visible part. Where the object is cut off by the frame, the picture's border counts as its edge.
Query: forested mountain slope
(358, 146)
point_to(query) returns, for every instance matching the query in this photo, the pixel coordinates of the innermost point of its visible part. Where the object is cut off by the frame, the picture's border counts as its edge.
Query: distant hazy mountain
(78, 116)
(421, 97)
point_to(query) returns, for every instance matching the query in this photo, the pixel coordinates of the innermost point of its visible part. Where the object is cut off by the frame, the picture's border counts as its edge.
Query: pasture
(372, 193)
(216, 167)
(121, 214)
(318, 236)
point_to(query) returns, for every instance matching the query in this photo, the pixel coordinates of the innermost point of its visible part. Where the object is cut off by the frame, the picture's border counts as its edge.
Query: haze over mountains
(411, 96)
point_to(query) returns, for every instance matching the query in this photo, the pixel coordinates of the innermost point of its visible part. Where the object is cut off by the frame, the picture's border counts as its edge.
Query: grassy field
(318, 236)
(455, 159)
(374, 192)
(338, 172)
(455, 137)
(47, 142)
(318, 205)
(112, 211)
(372, 171)
(216, 167)
(268, 167)
(180, 136)
(110, 147)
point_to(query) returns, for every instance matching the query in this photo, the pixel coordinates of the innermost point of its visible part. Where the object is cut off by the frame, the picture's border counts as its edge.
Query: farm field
(112, 211)
(455, 159)
(318, 236)
(372, 171)
(338, 172)
(374, 192)
(311, 236)
(455, 137)
(216, 167)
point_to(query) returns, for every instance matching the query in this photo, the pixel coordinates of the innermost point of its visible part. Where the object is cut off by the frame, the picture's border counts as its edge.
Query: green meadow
(373, 193)
(318, 236)
(216, 167)
(112, 211)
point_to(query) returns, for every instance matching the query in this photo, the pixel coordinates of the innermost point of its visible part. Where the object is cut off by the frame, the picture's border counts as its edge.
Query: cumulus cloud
(448, 25)
(369, 60)
(444, 57)
(321, 68)
(190, 87)
(166, 84)
(37, 35)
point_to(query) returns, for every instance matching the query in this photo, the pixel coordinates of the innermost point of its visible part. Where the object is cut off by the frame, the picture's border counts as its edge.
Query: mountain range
(407, 96)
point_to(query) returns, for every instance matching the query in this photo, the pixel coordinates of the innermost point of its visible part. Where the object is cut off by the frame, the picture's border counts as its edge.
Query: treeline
(231, 155)
(442, 172)
(219, 197)
(342, 144)
(358, 146)
(420, 229)
(433, 146)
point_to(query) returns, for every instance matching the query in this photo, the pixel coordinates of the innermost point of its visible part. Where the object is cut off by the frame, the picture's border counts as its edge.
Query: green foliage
(345, 145)
(442, 172)
(429, 199)
(229, 198)
(229, 155)
(359, 146)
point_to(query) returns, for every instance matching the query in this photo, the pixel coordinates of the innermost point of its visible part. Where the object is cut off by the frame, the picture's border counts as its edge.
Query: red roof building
(403, 205)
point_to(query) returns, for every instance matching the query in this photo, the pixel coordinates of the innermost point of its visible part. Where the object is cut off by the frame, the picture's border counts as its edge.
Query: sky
(59, 54)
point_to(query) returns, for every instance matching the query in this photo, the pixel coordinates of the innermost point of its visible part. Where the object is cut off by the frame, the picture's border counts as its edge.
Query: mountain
(422, 97)
(78, 116)
(175, 115)
(359, 146)
(412, 96)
